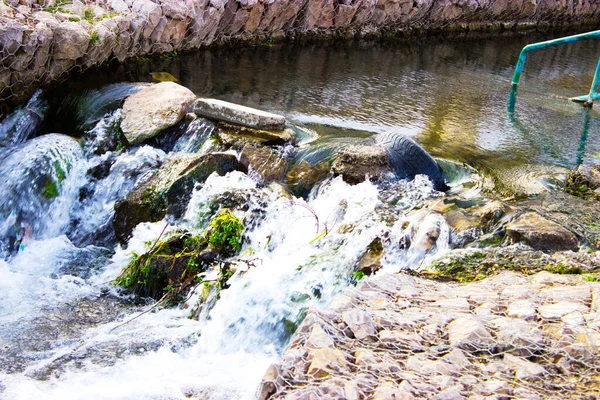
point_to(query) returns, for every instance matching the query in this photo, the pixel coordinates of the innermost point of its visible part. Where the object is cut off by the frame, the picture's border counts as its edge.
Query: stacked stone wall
(42, 41)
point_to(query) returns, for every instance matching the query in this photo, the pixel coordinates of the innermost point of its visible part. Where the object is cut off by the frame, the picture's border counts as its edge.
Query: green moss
(590, 278)
(474, 267)
(491, 241)
(162, 270)
(357, 276)
(57, 6)
(53, 183)
(88, 14)
(225, 233)
(50, 189)
(563, 269)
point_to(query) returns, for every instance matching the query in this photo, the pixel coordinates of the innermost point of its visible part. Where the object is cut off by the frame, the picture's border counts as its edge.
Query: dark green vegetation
(171, 265)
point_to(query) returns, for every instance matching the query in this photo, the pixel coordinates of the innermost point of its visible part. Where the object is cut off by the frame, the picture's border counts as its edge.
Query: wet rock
(238, 136)
(303, 176)
(584, 181)
(524, 370)
(370, 261)
(541, 234)
(355, 163)
(153, 109)
(239, 115)
(264, 161)
(168, 190)
(165, 266)
(323, 361)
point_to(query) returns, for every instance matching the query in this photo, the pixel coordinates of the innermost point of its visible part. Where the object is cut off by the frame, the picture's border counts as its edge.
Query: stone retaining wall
(41, 41)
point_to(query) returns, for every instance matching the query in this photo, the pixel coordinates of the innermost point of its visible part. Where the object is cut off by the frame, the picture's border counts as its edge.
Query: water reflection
(450, 96)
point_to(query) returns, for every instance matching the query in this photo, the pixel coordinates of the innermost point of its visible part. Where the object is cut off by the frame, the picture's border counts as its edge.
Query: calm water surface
(449, 95)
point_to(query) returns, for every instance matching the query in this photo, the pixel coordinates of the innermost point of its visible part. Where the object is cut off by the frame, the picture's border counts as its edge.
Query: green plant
(225, 233)
(358, 275)
(590, 278)
(94, 38)
(169, 55)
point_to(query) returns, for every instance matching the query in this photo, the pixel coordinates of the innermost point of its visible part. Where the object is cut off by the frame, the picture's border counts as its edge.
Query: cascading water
(66, 332)
(22, 123)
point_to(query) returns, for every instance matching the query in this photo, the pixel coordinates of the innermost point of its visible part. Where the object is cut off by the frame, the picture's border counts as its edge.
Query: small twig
(158, 238)
(144, 312)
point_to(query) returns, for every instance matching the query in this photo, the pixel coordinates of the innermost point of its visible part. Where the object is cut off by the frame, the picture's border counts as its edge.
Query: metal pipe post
(543, 45)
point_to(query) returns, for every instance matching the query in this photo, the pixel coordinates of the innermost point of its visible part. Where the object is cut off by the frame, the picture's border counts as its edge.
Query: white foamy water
(68, 333)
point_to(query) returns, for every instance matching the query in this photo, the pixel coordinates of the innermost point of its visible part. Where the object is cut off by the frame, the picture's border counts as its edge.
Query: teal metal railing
(587, 100)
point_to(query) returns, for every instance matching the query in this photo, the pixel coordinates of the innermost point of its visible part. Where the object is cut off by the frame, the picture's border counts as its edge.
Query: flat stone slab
(239, 115)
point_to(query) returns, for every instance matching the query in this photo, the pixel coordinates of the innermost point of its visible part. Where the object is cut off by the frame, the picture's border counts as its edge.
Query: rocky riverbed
(42, 41)
(512, 312)
(404, 337)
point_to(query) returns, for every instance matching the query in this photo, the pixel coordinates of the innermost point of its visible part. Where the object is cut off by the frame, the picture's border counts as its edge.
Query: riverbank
(42, 42)
(495, 318)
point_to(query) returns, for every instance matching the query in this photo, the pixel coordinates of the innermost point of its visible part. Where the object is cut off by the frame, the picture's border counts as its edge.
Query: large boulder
(153, 109)
(168, 190)
(540, 233)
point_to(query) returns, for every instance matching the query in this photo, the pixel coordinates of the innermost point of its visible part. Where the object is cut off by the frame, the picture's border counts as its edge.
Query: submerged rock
(239, 115)
(34, 176)
(303, 176)
(370, 261)
(168, 190)
(153, 109)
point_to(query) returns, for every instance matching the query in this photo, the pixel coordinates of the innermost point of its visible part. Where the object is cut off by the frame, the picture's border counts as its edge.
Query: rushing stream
(67, 333)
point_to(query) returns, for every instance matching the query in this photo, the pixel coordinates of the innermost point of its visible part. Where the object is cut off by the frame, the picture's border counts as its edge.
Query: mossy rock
(584, 182)
(466, 265)
(168, 267)
(168, 190)
(171, 265)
